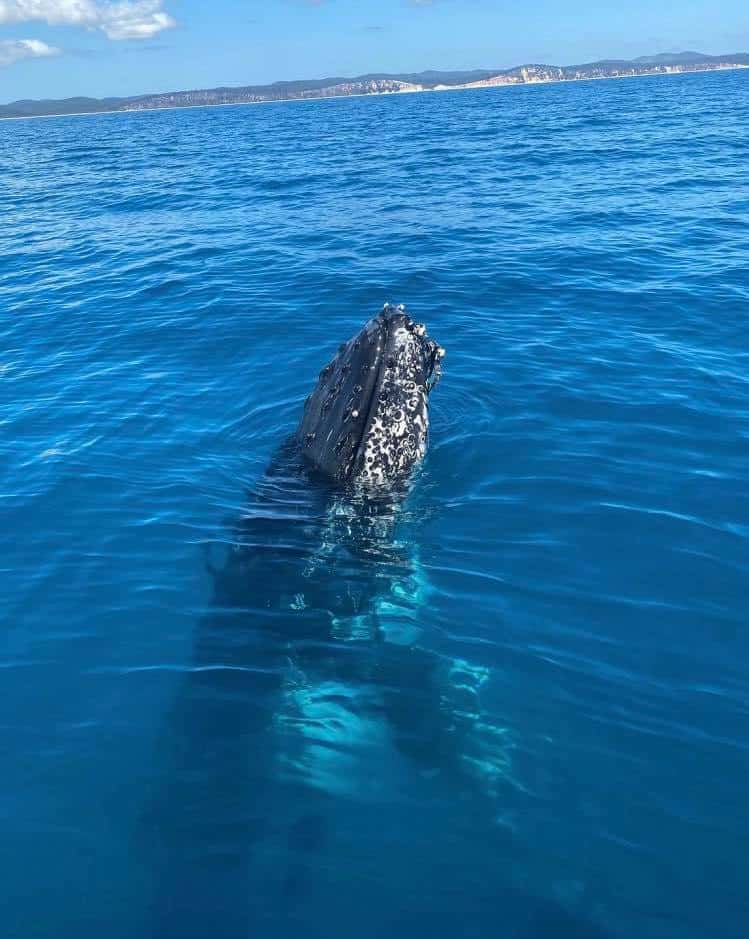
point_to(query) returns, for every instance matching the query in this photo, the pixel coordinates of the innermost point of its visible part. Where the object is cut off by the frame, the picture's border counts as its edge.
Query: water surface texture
(513, 704)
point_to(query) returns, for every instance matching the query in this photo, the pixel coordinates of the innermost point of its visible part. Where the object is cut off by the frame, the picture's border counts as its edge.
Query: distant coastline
(366, 85)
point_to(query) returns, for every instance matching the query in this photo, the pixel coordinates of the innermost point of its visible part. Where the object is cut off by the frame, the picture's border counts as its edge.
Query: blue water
(519, 707)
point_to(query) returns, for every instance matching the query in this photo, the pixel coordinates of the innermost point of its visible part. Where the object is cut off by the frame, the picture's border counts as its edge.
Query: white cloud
(126, 19)
(13, 50)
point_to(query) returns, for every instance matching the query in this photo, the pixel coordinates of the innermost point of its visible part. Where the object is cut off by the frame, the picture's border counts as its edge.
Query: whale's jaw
(368, 418)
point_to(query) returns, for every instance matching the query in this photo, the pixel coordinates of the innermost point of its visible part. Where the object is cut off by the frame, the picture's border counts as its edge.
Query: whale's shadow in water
(324, 767)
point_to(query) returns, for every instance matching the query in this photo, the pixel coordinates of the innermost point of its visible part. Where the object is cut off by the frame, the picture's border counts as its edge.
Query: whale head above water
(367, 420)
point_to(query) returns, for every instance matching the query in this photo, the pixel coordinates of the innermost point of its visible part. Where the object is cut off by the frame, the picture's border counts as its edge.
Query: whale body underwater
(317, 699)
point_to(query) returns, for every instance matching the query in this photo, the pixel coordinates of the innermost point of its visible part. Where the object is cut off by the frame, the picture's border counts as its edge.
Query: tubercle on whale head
(367, 419)
(433, 352)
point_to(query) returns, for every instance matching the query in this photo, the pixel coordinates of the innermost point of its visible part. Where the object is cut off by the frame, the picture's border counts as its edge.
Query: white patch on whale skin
(397, 437)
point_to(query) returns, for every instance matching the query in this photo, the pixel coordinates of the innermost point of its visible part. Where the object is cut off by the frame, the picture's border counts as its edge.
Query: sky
(63, 48)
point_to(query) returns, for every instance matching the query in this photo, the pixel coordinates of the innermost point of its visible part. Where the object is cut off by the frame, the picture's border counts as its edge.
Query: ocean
(519, 706)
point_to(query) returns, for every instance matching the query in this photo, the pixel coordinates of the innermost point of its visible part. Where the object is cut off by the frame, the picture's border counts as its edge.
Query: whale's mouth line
(373, 398)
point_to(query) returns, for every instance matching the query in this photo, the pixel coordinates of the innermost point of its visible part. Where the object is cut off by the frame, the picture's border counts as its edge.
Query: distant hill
(28, 108)
(673, 58)
(382, 83)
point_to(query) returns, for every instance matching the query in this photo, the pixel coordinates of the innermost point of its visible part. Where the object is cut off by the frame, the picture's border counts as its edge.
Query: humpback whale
(312, 691)
(367, 420)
